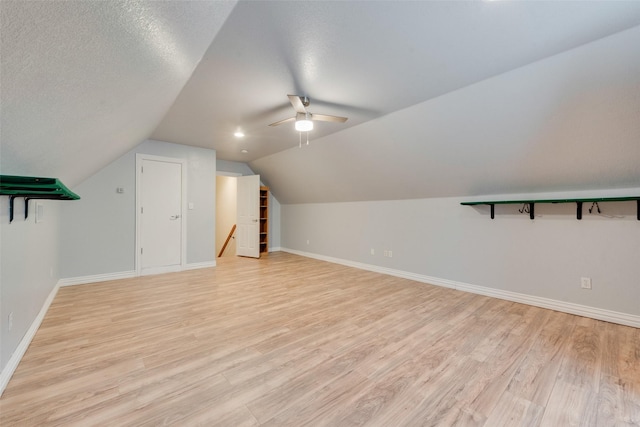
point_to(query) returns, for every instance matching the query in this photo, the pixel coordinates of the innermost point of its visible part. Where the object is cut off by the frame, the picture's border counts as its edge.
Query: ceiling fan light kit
(304, 125)
(304, 119)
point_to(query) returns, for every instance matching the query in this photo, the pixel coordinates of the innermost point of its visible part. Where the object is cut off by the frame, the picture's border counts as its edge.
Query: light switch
(190, 205)
(39, 212)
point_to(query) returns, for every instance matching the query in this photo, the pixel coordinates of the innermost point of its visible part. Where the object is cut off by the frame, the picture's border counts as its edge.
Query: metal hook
(596, 205)
(525, 208)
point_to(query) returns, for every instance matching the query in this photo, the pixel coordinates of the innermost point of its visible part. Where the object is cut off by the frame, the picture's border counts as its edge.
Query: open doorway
(226, 200)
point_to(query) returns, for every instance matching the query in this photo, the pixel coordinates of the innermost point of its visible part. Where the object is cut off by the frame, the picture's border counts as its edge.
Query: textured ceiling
(83, 82)
(443, 98)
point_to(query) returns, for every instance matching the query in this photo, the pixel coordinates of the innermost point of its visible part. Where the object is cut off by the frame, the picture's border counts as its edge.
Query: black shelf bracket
(493, 210)
(579, 210)
(11, 199)
(11, 210)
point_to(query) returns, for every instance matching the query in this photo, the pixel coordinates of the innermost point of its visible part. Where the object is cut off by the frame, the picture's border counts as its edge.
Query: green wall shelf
(31, 187)
(530, 204)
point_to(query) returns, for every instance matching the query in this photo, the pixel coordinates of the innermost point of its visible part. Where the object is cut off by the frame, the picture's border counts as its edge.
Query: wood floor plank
(537, 372)
(291, 341)
(512, 410)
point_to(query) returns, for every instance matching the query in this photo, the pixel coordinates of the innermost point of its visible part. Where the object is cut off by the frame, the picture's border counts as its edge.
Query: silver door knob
(174, 217)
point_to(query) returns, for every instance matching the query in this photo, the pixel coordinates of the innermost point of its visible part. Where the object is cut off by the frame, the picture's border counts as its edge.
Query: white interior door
(248, 216)
(160, 216)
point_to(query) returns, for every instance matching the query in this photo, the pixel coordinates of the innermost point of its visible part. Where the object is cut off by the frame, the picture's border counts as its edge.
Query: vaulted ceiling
(82, 82)
(443, 98)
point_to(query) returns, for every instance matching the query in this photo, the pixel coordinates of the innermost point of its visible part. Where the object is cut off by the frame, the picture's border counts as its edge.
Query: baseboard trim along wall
(197, 265)
(16, 357)
(566, 307)
(96, 278)
(275, 249)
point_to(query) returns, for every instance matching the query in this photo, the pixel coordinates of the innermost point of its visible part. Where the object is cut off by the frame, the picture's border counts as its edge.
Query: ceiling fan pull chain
(307, 138)
(300, 143)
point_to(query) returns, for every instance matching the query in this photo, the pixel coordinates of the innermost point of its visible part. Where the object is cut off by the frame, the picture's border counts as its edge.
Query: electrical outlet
(10, 320)
(373, 252)
(386, 252)
(585, 282)
(307, 241)
(390, 254)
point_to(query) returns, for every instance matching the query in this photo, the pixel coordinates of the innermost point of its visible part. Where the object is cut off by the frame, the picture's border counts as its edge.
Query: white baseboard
(70, 281)
(13, 362)
(566, 307)
(197, 265)
(275, 249)
(96, 278)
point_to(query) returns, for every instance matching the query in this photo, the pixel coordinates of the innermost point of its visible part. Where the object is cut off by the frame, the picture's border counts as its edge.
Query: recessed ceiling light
(244, 151)
(238, 134)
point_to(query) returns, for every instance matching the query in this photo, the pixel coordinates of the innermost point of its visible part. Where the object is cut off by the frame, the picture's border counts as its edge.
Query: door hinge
(141, 169)
(141, 209)
(141, 251)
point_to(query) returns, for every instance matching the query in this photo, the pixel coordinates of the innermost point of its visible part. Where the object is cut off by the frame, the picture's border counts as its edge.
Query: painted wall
(233, 167)
(275, 216)
(440, 238)
(28, 268)
(99, 230)
(226, 200)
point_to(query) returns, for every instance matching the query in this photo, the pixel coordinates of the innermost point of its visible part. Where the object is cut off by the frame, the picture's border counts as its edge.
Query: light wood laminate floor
(290, 341)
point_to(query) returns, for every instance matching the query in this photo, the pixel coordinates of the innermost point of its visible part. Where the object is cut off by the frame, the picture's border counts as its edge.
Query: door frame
(140, 157)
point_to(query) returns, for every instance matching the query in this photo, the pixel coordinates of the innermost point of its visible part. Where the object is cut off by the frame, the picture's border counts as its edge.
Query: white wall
(99, 230)
(275, 216)
(28, 268)
(440, 238)
(233, 167)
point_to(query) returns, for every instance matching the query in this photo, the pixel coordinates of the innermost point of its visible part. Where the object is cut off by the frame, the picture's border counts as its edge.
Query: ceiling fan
(304, 119)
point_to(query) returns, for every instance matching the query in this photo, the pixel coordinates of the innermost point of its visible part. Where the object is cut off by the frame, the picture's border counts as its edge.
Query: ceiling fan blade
(290, 119)
(326, 118)
(297, 104)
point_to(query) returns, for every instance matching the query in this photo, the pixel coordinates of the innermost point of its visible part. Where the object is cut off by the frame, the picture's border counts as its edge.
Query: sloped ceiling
(443, 98)
(82, 82)
(569, 122)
